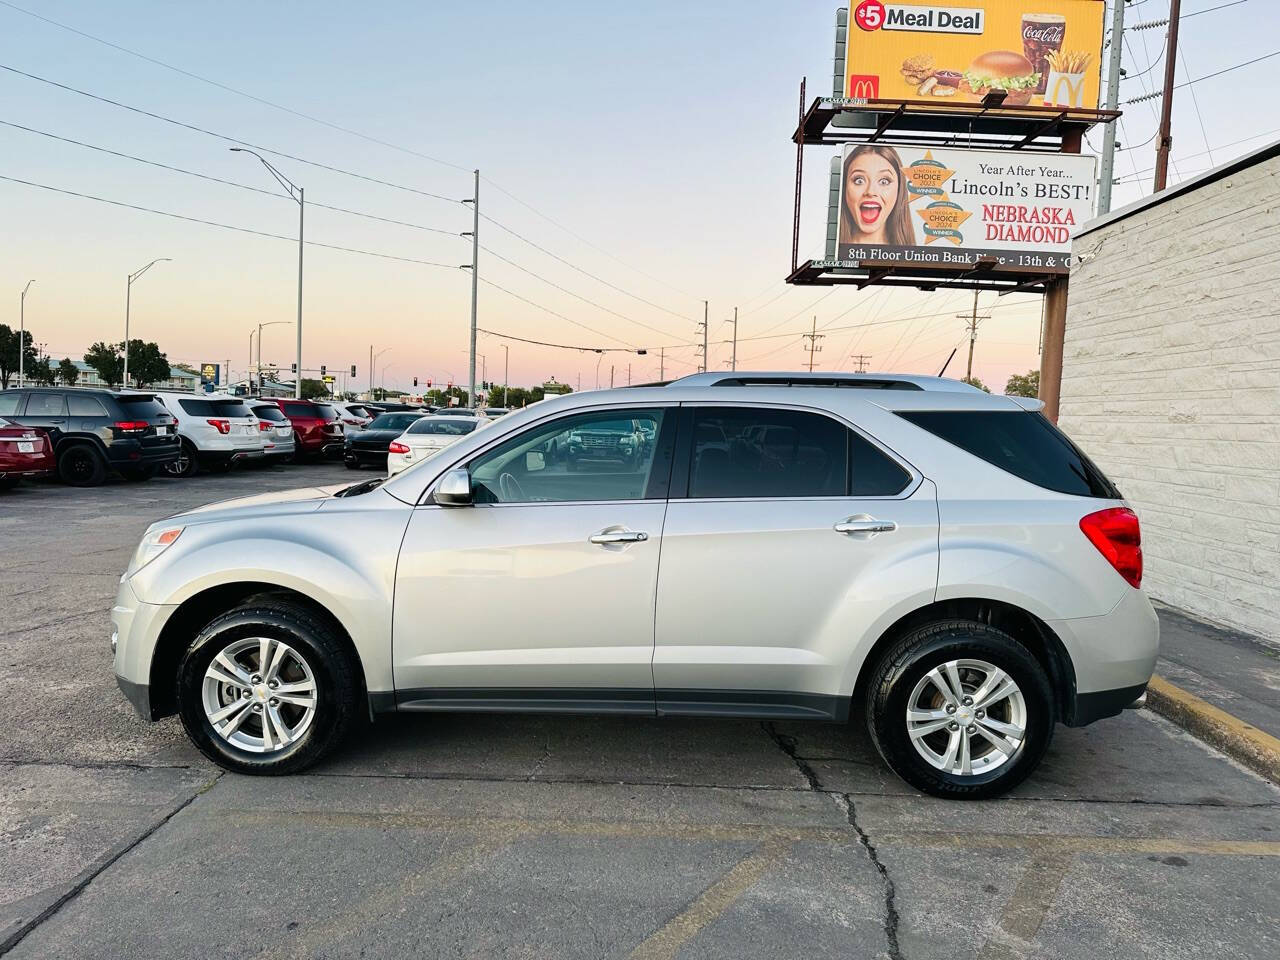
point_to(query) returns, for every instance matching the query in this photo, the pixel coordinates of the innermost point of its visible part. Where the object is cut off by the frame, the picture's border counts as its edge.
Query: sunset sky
(645, 144)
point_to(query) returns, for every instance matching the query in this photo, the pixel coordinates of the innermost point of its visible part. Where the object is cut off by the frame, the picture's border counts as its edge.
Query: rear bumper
(125, 454)
(1114, 652)
(30, 473)
(231, 456)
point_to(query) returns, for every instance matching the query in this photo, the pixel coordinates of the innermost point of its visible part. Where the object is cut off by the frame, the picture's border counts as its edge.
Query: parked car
(353, 415)
(943, 564)
(317, 431)
(383, 406)
(216, 431)
(369, 447)
(277, 431)
(619, 441)
(96, 431)
(425, 437)
(25, 453)
(493, 413)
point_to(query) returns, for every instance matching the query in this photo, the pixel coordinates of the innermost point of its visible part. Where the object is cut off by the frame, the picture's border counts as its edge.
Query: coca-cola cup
(1042, 34)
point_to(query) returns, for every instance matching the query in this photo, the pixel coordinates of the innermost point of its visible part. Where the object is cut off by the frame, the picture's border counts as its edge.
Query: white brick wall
(1171, 381)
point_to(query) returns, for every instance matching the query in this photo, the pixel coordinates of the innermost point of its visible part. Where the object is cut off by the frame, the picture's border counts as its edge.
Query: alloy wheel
(259, 695)
(967, 717)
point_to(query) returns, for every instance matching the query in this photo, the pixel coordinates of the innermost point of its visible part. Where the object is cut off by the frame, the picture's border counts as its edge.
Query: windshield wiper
(363, 487)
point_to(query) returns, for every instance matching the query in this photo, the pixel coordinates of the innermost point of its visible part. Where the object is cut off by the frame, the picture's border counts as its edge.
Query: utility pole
(506, 366)
(973, 331)
(813, 337)
(861, 360)
(662, 364)
(1113, 100)
(22, 333)
(706, 359)
(628, 373)
(1165, 138)
(733, 363)
(371, 371)
(475, 280)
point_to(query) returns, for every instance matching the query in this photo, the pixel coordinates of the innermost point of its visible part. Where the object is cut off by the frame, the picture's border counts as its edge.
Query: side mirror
(534, 461)
(454, 489)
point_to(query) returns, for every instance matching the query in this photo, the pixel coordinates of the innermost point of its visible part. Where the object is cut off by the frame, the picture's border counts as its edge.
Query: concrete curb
(1257, 750)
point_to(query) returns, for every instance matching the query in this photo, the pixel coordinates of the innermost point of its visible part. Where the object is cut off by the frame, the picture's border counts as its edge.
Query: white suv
(217, 430)
(943, 563)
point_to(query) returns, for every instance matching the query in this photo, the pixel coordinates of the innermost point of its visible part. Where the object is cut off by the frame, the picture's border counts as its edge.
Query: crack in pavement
(891, 919)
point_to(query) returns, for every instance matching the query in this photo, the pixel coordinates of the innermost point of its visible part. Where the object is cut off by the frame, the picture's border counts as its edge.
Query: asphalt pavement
(505, 836)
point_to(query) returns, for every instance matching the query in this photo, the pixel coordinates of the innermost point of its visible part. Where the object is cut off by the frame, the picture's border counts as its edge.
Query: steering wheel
(509, 489)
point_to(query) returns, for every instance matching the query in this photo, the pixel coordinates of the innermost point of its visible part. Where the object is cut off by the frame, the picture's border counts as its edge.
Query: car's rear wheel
(960, 709)
(138, 474)
(8, 483)
(187, 463)
(268, 688)
(80, 466)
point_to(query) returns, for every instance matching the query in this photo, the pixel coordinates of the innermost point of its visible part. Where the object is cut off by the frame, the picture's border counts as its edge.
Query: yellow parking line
(1255, 749)
(1057, 843)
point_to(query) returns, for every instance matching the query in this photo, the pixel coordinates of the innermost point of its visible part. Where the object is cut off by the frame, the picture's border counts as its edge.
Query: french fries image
(1073, 62)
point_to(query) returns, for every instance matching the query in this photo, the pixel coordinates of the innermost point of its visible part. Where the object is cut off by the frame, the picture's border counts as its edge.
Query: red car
(317, 430)
(24, 452)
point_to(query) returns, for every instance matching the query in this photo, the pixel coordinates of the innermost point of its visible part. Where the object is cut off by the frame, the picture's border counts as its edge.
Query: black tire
(138, 474)
(352, 464)
(8, 483)
(187, 464)
(79, 465)
(334, 667)
(902, 666)
(299, 455)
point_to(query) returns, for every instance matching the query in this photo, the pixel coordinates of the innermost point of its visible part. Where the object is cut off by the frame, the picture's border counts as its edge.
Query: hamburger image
(1003, 70)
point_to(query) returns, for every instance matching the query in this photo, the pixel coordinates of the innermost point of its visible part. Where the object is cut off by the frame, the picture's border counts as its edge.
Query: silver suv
(942, 562)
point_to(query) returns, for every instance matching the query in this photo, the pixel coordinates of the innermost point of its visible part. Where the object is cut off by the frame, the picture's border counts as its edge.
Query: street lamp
(22, 332)
(295, 193)
(385, 368)
(601, 352)
(373, 358)
(128, 290)
(269, 323)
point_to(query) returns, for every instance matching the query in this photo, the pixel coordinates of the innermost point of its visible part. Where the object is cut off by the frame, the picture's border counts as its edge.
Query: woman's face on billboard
(871, 191)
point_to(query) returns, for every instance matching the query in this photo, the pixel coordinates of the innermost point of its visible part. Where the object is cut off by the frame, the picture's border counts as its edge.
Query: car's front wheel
(268, 688)
(960, 709)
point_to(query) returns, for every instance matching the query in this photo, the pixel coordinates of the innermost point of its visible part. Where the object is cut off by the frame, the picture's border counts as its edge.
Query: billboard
(941, 207)
(210, 374)
(1039, 52)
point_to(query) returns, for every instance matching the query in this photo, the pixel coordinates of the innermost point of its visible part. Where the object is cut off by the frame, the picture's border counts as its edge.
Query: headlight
(153, 544)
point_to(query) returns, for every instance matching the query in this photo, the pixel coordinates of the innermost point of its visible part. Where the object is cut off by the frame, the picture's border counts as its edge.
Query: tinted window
(46, 405)
(873, 474)
(9, 401)
(450, 428)
(357, 410)
(197, 408)
(744, 452)
(141, 407)
(270, 412)
(590, 456)
(1024, 444)
(300, 410)
(394, 421)
(326, 412)
(231, 408)
(82, 405)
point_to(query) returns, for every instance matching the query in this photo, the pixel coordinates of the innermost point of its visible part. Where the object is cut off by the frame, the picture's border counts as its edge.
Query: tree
(1023, 384)
(9, 353)
(146, 363)
(106, 360)
(314, 390)
(975, 382)
(42, 372)
(68, 372)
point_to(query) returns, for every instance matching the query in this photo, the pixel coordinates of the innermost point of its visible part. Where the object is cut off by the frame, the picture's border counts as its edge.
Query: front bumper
(136, 629)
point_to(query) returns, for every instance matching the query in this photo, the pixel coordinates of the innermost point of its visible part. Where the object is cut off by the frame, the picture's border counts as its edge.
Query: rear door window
(9, 402)
(1021, 443)
(47, 405)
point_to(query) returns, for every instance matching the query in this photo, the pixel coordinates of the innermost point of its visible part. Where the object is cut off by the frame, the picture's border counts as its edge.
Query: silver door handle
(619, 536)
(867, 525)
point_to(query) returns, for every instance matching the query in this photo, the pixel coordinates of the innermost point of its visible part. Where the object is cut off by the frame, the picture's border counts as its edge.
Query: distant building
(179, 378)
(268, 388)
(553, 387)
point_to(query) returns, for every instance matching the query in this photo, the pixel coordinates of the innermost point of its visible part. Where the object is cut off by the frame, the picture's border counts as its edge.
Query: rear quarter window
(1021, 443)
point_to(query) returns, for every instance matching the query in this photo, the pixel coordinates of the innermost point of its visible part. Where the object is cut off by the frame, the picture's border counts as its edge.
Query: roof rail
(858, 381)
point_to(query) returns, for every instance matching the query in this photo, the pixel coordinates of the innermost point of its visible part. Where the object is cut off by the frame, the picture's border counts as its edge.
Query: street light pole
(268, 323)
(296, 194)
(128, 290)
(475, 281)
(373, 359)
(506, 366)
(22, 332)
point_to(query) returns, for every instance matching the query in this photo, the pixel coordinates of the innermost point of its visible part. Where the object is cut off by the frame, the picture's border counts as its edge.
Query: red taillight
(131, 426)
(398, 447)
(264, 426)
(222, 426)
(1116, 534)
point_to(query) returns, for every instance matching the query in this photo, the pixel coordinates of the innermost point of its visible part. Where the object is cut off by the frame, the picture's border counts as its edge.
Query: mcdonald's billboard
(1038, 52)
(945, 207)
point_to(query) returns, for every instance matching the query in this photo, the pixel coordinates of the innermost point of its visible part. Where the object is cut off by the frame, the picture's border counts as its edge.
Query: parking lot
(509, 836)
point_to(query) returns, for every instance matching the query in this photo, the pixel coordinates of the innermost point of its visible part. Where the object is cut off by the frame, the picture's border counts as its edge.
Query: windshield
(214, 408)
(452, 428)
(393, 421)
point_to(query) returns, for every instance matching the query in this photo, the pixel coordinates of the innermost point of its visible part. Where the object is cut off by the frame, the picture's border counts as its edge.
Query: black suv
(94, 430)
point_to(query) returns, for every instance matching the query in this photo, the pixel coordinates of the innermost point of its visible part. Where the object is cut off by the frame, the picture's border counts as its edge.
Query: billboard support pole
(1055, 322)
(1113, 99)
(1165, 139)
(795, 223)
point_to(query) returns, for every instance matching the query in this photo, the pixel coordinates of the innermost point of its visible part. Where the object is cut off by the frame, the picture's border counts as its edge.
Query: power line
(553, 313)
(224, 137)
(224, 226)
(558, 346)
(213, 179)
(1208, 76)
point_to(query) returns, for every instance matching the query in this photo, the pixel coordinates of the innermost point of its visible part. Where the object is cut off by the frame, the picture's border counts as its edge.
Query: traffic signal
(428, 383)
(322, 371)
(353, 369)
(415, 381)
(293, 367)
